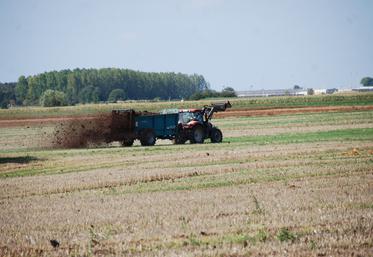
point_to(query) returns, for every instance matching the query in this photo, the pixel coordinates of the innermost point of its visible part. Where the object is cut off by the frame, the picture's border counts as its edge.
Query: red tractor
(194, 124)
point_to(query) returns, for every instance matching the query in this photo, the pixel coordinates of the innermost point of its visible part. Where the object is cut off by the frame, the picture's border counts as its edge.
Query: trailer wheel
(127, 142)
(147, 137)
(216, 136)
(198, 135)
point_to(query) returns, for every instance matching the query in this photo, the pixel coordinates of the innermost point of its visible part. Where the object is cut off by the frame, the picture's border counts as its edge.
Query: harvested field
(279, 111)
(293, 184)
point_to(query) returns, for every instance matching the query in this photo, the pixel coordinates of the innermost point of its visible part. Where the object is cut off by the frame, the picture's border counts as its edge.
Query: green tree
(34, 90)
(228, 92)
(89, 94)
(95, 97)
(205, 94)
(7, 94)
(52, 98)
(116, 94)
(51, 82)
(367, 81)
(196, 96)
(21, 89)
(72, 89)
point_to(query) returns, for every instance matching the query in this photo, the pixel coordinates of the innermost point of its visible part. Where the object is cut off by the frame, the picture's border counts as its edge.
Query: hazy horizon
(248, 45)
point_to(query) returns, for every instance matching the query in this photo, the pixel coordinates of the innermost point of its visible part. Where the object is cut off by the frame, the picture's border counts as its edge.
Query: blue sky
(252, 44)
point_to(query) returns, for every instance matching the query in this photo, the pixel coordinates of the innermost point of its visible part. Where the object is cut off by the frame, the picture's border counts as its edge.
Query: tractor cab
(189, 117)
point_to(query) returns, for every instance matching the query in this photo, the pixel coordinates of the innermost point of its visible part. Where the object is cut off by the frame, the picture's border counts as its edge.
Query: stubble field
(296, 184)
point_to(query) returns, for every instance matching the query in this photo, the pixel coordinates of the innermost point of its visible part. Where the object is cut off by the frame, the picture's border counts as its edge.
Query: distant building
(331, 91)
(271, 92)
(319, 91)
(296, 92)
(363, 89)
(345, 90)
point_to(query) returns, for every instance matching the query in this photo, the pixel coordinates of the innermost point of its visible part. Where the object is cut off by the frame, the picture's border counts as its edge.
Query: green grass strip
(288, 138)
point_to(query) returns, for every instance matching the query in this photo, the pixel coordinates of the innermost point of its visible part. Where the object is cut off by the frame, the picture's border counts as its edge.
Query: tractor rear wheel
(127, 142)
(147, 137)
(198, 135)
(216, 136)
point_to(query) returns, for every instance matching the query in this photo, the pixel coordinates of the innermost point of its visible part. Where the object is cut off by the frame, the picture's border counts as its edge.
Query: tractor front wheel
(216, 136)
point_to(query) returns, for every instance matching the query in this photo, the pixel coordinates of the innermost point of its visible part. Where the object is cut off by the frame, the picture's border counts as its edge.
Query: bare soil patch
(282, 111)
(41, 121)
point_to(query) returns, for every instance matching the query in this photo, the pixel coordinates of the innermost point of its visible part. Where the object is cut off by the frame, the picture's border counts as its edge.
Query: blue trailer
(149, 128)
(128, 125)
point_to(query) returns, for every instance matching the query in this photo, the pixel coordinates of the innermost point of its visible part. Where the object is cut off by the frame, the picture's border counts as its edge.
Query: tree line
(96, 85)
(209, 93)
(7, 94)
(367, 82)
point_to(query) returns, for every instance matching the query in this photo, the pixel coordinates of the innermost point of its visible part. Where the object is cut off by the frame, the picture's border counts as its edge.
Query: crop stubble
(194, 200)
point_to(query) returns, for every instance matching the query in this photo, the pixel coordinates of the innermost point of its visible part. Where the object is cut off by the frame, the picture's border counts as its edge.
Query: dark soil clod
(54, 243)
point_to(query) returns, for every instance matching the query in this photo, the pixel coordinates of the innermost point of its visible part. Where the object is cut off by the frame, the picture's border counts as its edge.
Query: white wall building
(363, 89)
(321, 91)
